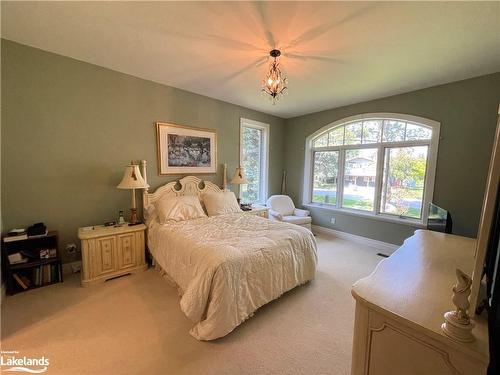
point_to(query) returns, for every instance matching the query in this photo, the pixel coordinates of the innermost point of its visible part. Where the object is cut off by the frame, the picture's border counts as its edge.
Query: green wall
(69, 128)
(467, 111)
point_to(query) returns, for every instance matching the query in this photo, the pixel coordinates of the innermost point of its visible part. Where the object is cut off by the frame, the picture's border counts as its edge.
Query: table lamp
(132, 179)
(239, 178)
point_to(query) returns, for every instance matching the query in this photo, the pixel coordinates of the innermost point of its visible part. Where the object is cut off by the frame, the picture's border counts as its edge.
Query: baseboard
(72, 267)
(382, 246)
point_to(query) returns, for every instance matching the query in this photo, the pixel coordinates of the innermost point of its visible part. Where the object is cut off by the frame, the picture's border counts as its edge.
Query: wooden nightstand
(261, 211)
(34, 271)
(109, 252)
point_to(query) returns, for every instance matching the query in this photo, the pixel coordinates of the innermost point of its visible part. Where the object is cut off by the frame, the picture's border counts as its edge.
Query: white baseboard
(382, 246)
(72, 267)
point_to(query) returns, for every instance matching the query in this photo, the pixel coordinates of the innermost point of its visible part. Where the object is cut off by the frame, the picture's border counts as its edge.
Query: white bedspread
(228, 266)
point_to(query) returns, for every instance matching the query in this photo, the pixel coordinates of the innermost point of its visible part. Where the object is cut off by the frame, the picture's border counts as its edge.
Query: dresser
(108, 252)
(400, 307)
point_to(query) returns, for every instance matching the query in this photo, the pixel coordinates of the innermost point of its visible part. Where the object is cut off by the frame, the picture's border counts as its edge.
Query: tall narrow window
(382, 166)
(254, 160)
(360, 168)
(404, 181)
(326, 166)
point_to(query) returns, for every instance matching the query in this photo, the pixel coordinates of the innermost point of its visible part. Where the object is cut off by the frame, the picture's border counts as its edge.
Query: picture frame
(185, 149)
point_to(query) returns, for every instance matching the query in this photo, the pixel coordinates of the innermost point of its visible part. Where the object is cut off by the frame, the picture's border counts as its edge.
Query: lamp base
(133, 216)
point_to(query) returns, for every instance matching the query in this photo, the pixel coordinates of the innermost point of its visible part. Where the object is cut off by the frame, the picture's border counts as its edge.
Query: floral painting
(186, 150)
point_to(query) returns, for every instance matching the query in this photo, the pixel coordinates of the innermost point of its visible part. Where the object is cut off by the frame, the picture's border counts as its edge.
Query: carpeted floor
(133, 325)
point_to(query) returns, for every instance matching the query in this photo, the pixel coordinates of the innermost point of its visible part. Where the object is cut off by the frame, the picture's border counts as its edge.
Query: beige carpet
(133, 325)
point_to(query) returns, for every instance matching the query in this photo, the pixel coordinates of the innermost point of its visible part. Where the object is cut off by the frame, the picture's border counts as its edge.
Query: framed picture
(186, 150)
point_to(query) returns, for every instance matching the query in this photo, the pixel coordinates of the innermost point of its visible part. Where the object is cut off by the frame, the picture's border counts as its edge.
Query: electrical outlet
(332, 220)
(71, 248)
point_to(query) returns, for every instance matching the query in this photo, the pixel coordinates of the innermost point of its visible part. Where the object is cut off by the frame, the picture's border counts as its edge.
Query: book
(16, 234)
(54, 272)
(37, 276)
(15, 238)
(45, 277)
(25, 280)
(19, 281)
(17, 231)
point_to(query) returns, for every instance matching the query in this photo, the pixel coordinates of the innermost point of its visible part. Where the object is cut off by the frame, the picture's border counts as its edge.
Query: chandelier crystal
(275, 84)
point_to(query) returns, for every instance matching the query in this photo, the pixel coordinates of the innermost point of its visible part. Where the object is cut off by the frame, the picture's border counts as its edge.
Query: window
(403, 181)
(360, 168)
(381, 165)
(254, 152)
(326, 165)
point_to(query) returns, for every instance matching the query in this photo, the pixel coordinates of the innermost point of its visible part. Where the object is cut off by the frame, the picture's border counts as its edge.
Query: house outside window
(379, 165)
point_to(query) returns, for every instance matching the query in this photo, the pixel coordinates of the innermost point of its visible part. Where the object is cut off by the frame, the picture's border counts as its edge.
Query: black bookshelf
(36, 272)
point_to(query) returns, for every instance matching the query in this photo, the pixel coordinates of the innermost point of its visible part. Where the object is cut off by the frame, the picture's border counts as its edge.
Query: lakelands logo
(12, 361)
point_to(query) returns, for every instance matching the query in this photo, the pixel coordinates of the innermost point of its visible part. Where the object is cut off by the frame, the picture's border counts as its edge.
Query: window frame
(264, 160)
(376, 213)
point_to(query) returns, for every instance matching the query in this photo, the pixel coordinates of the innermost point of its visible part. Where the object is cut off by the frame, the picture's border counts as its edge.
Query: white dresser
(400, 307)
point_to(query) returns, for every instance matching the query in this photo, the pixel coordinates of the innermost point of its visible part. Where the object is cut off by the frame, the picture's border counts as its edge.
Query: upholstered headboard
(189, 185)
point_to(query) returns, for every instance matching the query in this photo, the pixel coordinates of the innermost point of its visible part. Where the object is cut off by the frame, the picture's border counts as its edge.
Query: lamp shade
(239, 177)
(132, 179)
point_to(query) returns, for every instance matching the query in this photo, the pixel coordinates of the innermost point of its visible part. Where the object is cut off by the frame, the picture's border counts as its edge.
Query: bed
(226, 266)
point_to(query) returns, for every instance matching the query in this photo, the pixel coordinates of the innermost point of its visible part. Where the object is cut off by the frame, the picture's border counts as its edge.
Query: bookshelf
(36, 272)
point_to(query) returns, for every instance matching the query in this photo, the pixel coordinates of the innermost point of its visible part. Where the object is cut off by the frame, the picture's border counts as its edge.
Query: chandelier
(275, 84)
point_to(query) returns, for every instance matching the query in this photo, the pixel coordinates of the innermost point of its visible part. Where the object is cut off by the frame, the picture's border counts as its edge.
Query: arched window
(380, 164)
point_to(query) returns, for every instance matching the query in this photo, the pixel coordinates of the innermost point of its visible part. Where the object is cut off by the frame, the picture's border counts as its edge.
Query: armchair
(281, 208)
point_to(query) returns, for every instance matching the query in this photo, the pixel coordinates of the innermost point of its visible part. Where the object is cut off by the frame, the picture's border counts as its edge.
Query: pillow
(149, 213)
(221, 203)
(180, 208)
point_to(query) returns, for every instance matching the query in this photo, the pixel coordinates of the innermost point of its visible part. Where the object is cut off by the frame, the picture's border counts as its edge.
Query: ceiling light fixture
(275, 84)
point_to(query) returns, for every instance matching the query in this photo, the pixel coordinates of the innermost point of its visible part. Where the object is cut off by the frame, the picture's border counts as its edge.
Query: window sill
(368, 215)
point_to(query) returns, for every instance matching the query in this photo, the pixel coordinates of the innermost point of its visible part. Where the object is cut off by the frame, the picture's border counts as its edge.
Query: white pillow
(180, 208)
(221, 203)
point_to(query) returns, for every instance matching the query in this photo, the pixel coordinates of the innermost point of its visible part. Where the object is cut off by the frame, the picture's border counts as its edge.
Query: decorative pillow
(221, 203)
(180, 208)
(149, 213)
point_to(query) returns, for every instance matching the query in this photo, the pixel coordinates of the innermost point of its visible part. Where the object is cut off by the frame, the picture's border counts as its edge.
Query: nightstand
(34, 271)
(108, 252)
(257, 210)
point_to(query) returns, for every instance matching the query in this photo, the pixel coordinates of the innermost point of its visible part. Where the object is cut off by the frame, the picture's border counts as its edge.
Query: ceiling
(335, 53)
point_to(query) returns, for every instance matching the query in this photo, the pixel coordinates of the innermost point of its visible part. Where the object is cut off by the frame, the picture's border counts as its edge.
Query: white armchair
(281, 208)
